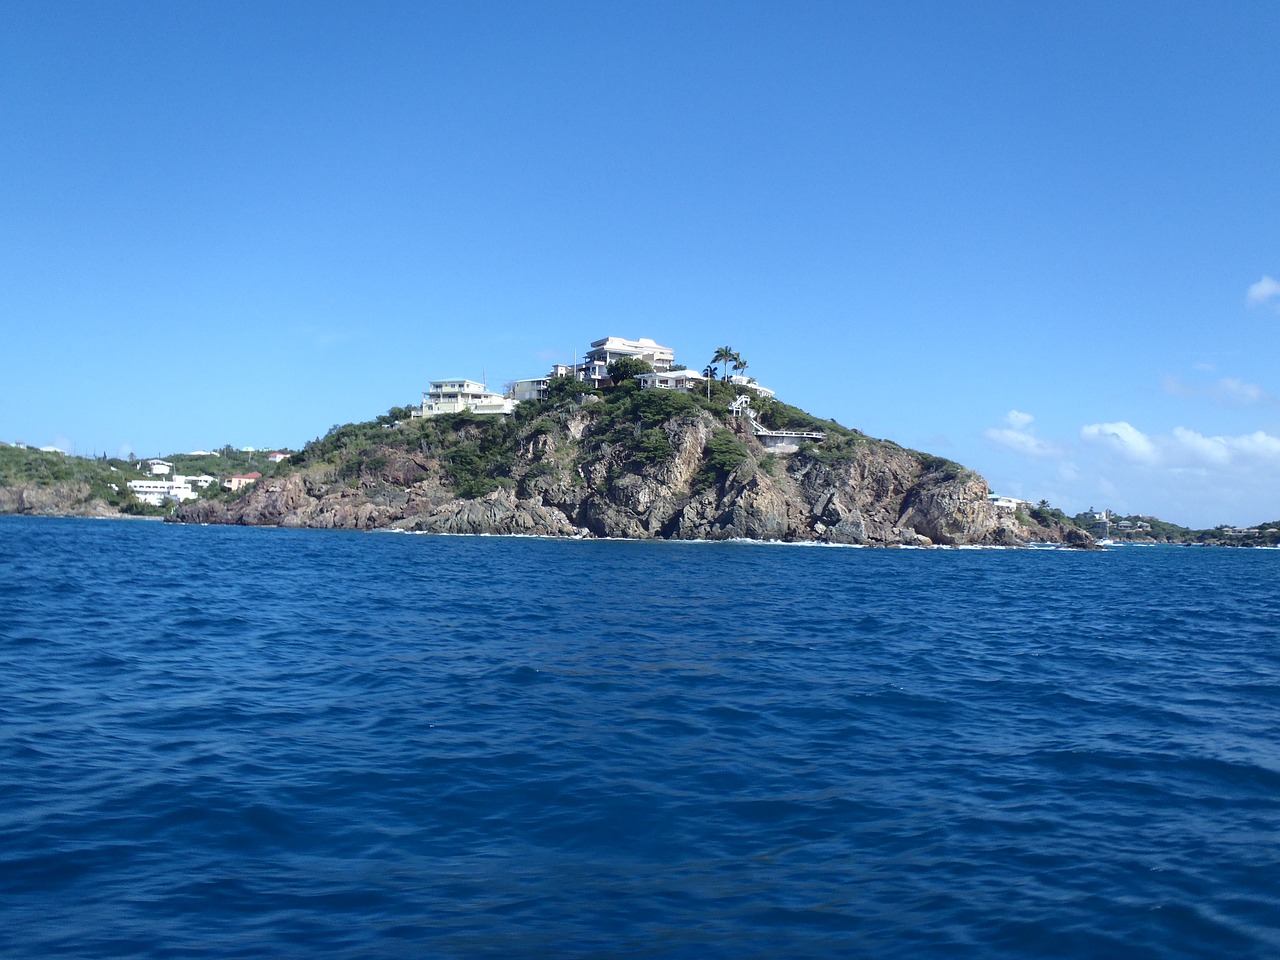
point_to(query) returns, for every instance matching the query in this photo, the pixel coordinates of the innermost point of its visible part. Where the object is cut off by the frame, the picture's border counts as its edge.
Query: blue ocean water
(228, 742)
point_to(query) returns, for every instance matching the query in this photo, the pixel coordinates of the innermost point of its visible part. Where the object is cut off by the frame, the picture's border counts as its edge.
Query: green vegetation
(1047, 516)
(627, 368)
(725, 355)
(107, 478)
(949, 469)
(724, 453)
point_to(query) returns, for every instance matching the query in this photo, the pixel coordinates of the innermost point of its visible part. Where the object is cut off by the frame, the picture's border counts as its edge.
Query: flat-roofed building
(156, 492)
(685, 381)
(455, 396)
(604, 351)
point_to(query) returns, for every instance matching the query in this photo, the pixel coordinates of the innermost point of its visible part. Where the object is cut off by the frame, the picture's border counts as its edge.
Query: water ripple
(223, 742)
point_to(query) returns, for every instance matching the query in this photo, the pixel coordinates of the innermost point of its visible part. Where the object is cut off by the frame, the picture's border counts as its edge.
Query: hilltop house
(686, 381)
(604, 351)
(455, 396)
(595, 366)
(739, 380)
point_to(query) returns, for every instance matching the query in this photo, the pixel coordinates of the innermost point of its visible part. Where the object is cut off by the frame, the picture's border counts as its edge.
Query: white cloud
(1234, 388)
(1017, 437)
(1123, 437)
(1256, 445)
(1224, 390)
(1212, 450)
(1265, 290)
(1022, 442)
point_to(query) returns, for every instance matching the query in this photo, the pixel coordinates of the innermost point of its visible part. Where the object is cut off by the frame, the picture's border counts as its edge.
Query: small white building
(1007, 504)
(277, 456)
(455, 396)
(156, 492)
(686, 381)
(158, 468)
(749, 382)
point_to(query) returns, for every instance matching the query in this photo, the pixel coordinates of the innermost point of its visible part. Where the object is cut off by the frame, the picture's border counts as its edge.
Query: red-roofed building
(241, 480)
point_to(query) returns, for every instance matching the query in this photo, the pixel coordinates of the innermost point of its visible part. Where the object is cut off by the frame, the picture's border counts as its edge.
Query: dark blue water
(221, 742)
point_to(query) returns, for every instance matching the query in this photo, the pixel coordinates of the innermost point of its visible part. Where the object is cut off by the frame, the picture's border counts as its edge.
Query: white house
(1007, 504)
(609, 349)
(156, 492)
(455, 396)
(685, 381)
(534, 388)
(595, 367)
(749, 382)
(603, 352)
(158, 468)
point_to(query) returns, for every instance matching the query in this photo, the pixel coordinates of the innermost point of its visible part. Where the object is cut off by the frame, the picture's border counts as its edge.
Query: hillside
(46, 483)
(630, 463)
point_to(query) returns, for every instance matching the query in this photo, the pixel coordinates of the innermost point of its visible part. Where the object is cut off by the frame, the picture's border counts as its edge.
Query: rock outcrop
(575, 473)
(64, 499)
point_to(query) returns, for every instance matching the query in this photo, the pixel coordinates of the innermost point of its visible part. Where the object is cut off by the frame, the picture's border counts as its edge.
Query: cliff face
(64, 499)
(577, 472)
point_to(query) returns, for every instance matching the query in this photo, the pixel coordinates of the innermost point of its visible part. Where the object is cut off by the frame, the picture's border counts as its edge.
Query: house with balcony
(609, 348)
(157, 492)
(456, 396)
(595, 366)
(686, 381)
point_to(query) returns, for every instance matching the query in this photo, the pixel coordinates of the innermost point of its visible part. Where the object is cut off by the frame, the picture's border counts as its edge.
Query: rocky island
(629, 462)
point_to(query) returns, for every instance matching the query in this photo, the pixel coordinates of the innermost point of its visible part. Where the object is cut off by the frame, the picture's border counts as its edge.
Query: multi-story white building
(156, 492)
(455, 396)
(595, 367)
(604, 351)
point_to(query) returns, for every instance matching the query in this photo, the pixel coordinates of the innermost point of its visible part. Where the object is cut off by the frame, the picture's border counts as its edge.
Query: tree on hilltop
(710, 373)
(726, 356)
(627, 368)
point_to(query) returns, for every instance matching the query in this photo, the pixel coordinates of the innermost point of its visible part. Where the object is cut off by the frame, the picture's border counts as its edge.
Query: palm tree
(738, 364)
(725, 355)
(710, 373)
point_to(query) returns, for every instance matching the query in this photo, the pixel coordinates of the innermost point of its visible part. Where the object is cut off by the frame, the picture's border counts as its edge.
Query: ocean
(225, 742)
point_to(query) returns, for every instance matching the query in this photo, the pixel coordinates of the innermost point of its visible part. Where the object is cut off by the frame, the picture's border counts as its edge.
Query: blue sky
(1040, 239)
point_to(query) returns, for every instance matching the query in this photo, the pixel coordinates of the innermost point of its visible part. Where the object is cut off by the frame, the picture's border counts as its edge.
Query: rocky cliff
(636, 466)
(63, 499)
